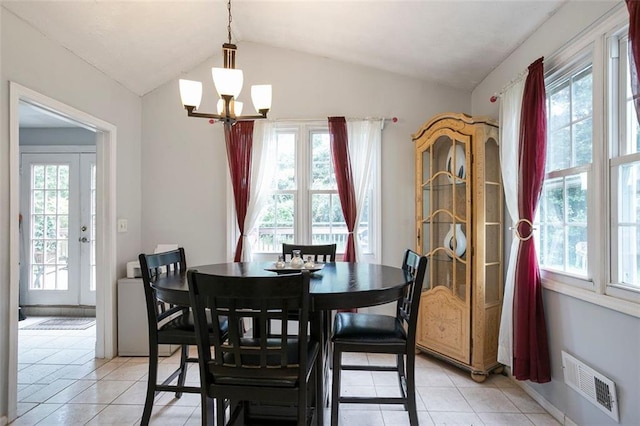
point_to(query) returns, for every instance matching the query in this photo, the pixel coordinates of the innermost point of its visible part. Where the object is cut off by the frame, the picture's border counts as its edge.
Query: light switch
(122, 225)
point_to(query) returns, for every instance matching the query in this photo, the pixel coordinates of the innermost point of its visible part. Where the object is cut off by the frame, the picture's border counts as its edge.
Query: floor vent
(598, 389)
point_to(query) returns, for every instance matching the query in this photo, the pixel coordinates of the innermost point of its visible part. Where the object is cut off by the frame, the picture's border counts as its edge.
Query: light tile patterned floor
(61, 383)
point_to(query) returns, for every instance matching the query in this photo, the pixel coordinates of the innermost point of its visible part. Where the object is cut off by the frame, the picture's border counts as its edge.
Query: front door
(58, 210)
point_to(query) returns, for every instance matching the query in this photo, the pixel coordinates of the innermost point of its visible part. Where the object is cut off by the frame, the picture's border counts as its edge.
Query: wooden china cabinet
(459, 211)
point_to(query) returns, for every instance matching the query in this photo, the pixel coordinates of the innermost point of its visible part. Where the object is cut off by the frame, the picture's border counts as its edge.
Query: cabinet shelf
(462, 296)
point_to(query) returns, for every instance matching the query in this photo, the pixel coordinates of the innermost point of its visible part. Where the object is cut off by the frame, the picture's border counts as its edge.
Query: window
(304, 205)
(625, 180)
(562, 214)
(588, 220)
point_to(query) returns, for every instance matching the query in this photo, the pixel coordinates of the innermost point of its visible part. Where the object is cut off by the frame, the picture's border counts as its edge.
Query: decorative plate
(290, 270)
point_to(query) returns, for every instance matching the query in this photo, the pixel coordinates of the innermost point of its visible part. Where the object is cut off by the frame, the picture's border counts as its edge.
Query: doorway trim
(106, 338)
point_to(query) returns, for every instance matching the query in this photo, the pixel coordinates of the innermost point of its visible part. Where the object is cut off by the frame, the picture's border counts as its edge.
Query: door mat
(62, 324)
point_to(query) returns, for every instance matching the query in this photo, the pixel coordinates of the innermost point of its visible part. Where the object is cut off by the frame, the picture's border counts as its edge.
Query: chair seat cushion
(184, 324)
(368, 328)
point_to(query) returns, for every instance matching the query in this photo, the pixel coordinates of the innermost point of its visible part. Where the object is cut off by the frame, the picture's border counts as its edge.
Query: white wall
(32, 60)
(606, 340)
(184, 163)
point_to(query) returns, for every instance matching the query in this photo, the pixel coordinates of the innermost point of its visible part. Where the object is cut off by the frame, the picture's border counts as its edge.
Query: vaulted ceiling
(145, 43)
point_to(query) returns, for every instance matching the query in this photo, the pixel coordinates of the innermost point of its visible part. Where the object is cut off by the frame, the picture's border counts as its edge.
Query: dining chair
(172, 325)
(320, 252)
(376, 333)
(249, 372)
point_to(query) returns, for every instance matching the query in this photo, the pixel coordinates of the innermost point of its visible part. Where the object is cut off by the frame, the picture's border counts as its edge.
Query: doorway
(105, 230)
(58, 240)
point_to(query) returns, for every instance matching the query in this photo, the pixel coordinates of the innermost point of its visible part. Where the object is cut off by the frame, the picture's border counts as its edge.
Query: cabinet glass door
(445, 238)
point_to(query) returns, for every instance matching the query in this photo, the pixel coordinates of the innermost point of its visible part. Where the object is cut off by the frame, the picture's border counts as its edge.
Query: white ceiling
(145, 43)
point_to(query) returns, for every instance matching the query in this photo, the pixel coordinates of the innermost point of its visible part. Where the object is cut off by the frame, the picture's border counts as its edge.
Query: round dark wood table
(336, 286)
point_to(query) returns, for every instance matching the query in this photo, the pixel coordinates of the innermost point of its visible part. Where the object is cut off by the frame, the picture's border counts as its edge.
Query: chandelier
(228, 83)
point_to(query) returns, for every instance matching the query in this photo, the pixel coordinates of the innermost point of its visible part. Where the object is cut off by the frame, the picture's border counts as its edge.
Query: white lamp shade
(191, 92)
(228, 81)
(261, 96)
(235, 108)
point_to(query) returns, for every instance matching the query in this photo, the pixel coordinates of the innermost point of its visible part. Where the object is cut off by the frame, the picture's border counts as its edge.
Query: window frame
(598, 40)
(303, 194)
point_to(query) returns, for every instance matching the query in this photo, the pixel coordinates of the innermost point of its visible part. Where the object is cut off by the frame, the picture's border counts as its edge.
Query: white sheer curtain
(510, 108)
(364, 141)
(263, 157)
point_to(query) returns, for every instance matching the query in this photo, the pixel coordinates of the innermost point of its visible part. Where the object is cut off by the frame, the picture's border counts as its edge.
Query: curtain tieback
(350, 233)
(517, 232)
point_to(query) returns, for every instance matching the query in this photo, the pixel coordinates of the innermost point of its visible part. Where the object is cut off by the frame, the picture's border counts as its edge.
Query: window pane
(286, 159)
(552, 247)
(553, 201)
(577, 198)
(327, 223)
(321, 162)
(563, 224)
(629, 224)
(275, 226)
(559, 150)
(581, 90)
(559, 107)
(582, 137)
(632, 143)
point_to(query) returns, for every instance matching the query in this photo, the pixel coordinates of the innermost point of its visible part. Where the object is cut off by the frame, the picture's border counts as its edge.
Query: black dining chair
(170, 325)
(320, 252)
(277, 372)
(375, 333)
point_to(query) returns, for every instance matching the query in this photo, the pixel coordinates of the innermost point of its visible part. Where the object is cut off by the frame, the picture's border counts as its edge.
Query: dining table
(333, 286)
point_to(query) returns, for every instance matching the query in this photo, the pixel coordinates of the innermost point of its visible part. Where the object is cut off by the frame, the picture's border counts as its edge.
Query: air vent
(595, 387)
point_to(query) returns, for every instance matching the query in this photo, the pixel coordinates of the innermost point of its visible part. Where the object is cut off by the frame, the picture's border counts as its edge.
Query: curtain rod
(498, 95)
(392, 119)
(560, 50)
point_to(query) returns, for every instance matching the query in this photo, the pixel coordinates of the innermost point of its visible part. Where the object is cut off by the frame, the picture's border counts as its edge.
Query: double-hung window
(303, 205)
(588, 219)
(624, 169)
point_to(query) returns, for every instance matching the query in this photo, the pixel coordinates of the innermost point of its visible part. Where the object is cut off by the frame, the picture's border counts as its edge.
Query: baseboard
(549, 407)
(58, 311)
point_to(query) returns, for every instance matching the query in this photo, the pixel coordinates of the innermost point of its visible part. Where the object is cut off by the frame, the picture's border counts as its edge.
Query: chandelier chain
(229, 25)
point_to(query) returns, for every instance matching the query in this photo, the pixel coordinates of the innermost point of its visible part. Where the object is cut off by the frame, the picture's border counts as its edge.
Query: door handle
(84, 240)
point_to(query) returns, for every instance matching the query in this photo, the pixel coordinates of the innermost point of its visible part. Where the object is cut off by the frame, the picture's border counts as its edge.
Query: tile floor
(61, 383)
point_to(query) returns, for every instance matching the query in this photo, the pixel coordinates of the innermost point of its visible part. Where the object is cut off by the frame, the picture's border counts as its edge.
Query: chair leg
(151, 384)
(411, 389)
(206, 408)
(220, 411)
(183, 368)
(335, 386)
(401, 375)
(318, 397)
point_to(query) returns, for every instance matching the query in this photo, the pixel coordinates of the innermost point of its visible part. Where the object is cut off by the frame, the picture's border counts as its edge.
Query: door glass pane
(49, 219)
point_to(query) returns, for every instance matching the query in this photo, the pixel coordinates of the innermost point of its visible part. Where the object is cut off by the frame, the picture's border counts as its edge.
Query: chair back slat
(153, 266)
(320, 252)
(251, 353)
(414, 267)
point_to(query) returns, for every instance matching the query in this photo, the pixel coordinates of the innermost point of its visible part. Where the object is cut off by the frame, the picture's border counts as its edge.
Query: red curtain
(531, 351)
(634, 51)
(239, 139)
(344, 179)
